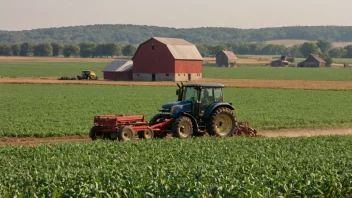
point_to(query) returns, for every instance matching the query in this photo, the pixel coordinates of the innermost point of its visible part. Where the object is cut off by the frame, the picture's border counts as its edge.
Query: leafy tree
(43, 49)
(5, 50)
(324, 45)
(87, 49)
(309, 48)
(16, 49)
(348, 49)
(113, 49)
(337, 52)
(71, 50)
(325, 56)
(26, 49)
(129, 50)
(203, 50)
(57, 48)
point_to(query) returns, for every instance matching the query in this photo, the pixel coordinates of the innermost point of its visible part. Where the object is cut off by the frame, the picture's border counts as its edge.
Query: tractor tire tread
(176, 124)
(211, 125)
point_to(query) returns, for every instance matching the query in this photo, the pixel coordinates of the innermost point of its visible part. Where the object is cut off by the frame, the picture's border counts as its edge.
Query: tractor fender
(214, 106)
(193, 119)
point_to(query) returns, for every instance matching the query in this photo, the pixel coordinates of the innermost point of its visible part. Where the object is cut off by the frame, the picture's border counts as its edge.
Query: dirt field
(273, 134)
(239, 83)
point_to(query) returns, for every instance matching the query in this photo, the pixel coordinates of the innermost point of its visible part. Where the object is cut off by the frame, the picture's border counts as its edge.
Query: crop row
(197, 167)
(57, 69)
(56, 110)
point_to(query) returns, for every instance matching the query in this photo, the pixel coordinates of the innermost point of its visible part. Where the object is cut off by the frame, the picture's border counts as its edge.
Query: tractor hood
(171, 104)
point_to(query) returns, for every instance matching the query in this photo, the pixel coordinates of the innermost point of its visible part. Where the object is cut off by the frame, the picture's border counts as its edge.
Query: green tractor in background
(87, 75)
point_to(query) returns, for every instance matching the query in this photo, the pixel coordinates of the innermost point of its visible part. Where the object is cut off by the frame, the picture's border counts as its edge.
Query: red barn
(167, 59)
(118, 70)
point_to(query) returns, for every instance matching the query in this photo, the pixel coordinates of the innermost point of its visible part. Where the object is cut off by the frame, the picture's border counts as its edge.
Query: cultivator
(200, 110)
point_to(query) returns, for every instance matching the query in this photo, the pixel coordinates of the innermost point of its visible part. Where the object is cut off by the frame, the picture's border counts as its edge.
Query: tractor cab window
(190, 94)
(207, 96)
(218, 95)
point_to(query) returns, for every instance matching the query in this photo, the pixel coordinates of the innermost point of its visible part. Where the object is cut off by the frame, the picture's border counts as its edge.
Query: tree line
(135, 34)
(84, 49)
(324, 48)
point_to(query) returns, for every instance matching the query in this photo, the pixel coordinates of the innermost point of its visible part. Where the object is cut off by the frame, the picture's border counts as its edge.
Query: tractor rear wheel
(182, 127)
(125, 133)
(222, 122)
(92, 133)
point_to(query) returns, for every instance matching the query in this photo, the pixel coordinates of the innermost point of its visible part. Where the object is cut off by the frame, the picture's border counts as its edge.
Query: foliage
(198, 167)
(324, 45)
(291, 59)
(26, 49)
(87, 49)
(348, 51)
(108, 49)
(57, 110)
(71, 50)
(326, 58)
(136, 34)
(309, 48)
(43, 49)
(337, 52)
(16, 49)
(57, 48)
(129, 50)
(5, 50)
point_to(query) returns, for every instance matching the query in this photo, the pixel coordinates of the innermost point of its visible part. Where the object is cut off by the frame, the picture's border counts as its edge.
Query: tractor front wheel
(182, 127)
(125, 133)
(222, 122)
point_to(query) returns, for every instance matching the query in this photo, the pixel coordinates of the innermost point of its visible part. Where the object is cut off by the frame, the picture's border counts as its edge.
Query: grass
(270, 73)
(57, 110)
(57, 69)
(199, 167)
(48, 69)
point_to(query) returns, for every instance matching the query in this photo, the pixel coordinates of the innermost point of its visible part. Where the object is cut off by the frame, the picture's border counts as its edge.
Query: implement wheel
(222, 122)
(147, 134)
(92, 133)
(125, 133)
(182, 127)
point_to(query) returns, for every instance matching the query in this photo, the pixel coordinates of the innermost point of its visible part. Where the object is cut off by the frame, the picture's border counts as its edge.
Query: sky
(33, 14)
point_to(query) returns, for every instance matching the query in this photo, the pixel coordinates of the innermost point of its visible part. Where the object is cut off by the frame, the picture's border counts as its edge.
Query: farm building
(225, 58)
(280, 62)
(312, 61)
(167, 59)
(118, 70)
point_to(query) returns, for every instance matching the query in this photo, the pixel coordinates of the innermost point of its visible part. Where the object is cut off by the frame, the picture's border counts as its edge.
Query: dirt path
(272, 134)
(240, 83)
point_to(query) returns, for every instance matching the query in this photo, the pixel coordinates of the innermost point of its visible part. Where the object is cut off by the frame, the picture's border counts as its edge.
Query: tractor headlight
(175, 109)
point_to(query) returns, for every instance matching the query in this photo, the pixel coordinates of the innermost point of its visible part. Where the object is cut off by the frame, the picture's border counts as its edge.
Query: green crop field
(57, 69)
(56, 110)
(270, 73)
(197, 167)
(48, 69)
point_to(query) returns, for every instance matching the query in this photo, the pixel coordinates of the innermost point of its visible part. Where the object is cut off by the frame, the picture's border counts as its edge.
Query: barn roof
(119, 66)
(180, 48)
(316, 57)
(229, 54)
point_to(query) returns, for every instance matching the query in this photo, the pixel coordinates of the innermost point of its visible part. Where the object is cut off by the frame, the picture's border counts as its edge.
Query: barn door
(153, 77)
(189, 76)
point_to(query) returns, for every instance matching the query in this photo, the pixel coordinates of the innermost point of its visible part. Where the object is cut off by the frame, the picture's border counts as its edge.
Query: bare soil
(271, 134)
(240, 83)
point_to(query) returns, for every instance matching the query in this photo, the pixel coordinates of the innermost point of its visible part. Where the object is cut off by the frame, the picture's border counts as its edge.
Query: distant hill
(136, 34)
(290, 43)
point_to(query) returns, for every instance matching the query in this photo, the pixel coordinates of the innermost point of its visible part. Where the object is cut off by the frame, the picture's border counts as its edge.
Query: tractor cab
(195, 99)
(87, 75)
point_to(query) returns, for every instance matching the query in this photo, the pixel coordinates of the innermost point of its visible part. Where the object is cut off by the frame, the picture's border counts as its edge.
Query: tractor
(200, 109)
(87, 75)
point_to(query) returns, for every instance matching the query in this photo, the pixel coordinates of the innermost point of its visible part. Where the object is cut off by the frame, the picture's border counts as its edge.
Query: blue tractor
(200, 109)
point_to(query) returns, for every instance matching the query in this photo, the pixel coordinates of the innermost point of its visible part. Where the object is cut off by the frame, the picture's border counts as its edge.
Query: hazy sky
(31, 14)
